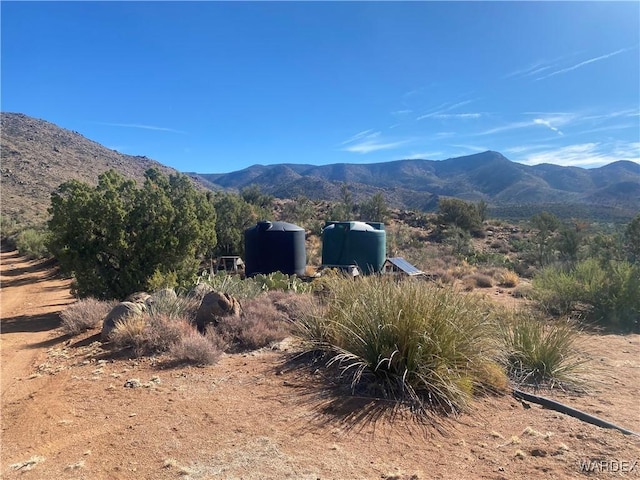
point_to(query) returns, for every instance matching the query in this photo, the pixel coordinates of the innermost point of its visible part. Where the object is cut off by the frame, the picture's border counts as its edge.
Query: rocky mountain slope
(37, 156)
(485, 176)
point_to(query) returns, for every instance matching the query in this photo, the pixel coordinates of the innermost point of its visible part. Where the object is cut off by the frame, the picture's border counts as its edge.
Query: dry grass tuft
(477, 280)
(129, 332)
(508, 279)
(84, 315)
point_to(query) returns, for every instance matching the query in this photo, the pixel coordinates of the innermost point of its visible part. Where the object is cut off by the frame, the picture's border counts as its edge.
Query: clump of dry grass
(84, 315)
(442, 277)
(129, 333)
(508, 279)
(540, 353)
(477, 280)
(462, 270)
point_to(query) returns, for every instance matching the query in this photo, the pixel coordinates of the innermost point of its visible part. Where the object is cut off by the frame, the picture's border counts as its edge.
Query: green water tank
(354, 243)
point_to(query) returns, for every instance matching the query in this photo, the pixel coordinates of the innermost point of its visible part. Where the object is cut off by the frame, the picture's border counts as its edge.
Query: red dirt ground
(66, 413)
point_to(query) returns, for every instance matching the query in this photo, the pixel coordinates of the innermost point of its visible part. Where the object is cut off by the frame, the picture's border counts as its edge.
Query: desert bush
(149, 334)
(443, 277)
(32, 243)
(160, 280)
(540, 353)
(464, 215)
(197, 349)
(477, 280)
(524, 290)
(261, 324)
(611, 292)
(129, 333)
(84, 315)
(408, 341)
(180, 306)
(234, 285)
(161, 332)
(508, 279)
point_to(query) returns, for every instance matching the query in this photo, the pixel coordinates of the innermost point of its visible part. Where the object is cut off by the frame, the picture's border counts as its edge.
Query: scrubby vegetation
(412, 342)
(84, 315)
(606, 295)
(114, 237)
(538, 352)
(428, 344)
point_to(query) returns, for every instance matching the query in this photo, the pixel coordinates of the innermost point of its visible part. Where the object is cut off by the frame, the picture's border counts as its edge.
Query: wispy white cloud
(507, 127)
(141, 126)
(584, 63)
(547, 123)
(552, 121)
(586, 154)
(422, 155)
(444, 108)
(630, 112)
(539, 66)
(463, 116)
(369, 146)
(369, 141)
(522, 149)
(529, 70)
(620, 126)
(359, 135)
(401, 113)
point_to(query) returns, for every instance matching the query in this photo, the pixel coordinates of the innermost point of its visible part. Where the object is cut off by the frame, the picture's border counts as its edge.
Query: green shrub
(556, 291)
(160, 280)
(539, 353)
(32, 243)
(408, 341)
(611, 292)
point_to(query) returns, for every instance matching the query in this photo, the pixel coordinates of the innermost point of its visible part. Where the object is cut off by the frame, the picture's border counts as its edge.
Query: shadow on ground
(30, 323)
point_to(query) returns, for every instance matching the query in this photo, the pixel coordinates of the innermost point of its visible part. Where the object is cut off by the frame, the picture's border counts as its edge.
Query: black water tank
(275, 247)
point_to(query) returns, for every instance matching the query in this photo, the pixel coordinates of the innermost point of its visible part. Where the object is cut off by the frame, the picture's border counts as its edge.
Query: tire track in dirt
(31, 296)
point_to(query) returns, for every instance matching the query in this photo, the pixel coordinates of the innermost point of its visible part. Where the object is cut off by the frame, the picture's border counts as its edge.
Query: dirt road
(67, 412)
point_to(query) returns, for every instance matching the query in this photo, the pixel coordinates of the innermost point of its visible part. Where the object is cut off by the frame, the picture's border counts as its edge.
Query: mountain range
(37, 156)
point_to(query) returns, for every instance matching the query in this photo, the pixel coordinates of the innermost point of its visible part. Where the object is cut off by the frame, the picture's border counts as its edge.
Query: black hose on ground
(562, 408)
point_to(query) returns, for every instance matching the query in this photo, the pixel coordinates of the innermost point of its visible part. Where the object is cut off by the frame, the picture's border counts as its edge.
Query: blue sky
(214, 87)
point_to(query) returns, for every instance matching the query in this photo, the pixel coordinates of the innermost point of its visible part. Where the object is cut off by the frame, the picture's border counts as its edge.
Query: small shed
(230, 264)
(399, 266)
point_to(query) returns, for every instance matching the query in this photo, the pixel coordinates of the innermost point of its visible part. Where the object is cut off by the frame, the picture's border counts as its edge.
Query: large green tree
(456, 212)
(632, 239)
(375, 209)
(235, 215)
(113, 237)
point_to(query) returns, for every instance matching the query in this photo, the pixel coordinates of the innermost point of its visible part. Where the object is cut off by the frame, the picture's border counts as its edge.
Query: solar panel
(405, 266)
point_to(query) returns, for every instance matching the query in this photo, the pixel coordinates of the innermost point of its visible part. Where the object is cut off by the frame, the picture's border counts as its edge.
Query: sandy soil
(70, 411)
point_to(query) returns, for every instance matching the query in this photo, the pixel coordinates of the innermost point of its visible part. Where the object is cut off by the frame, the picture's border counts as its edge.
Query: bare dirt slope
(73, 410)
